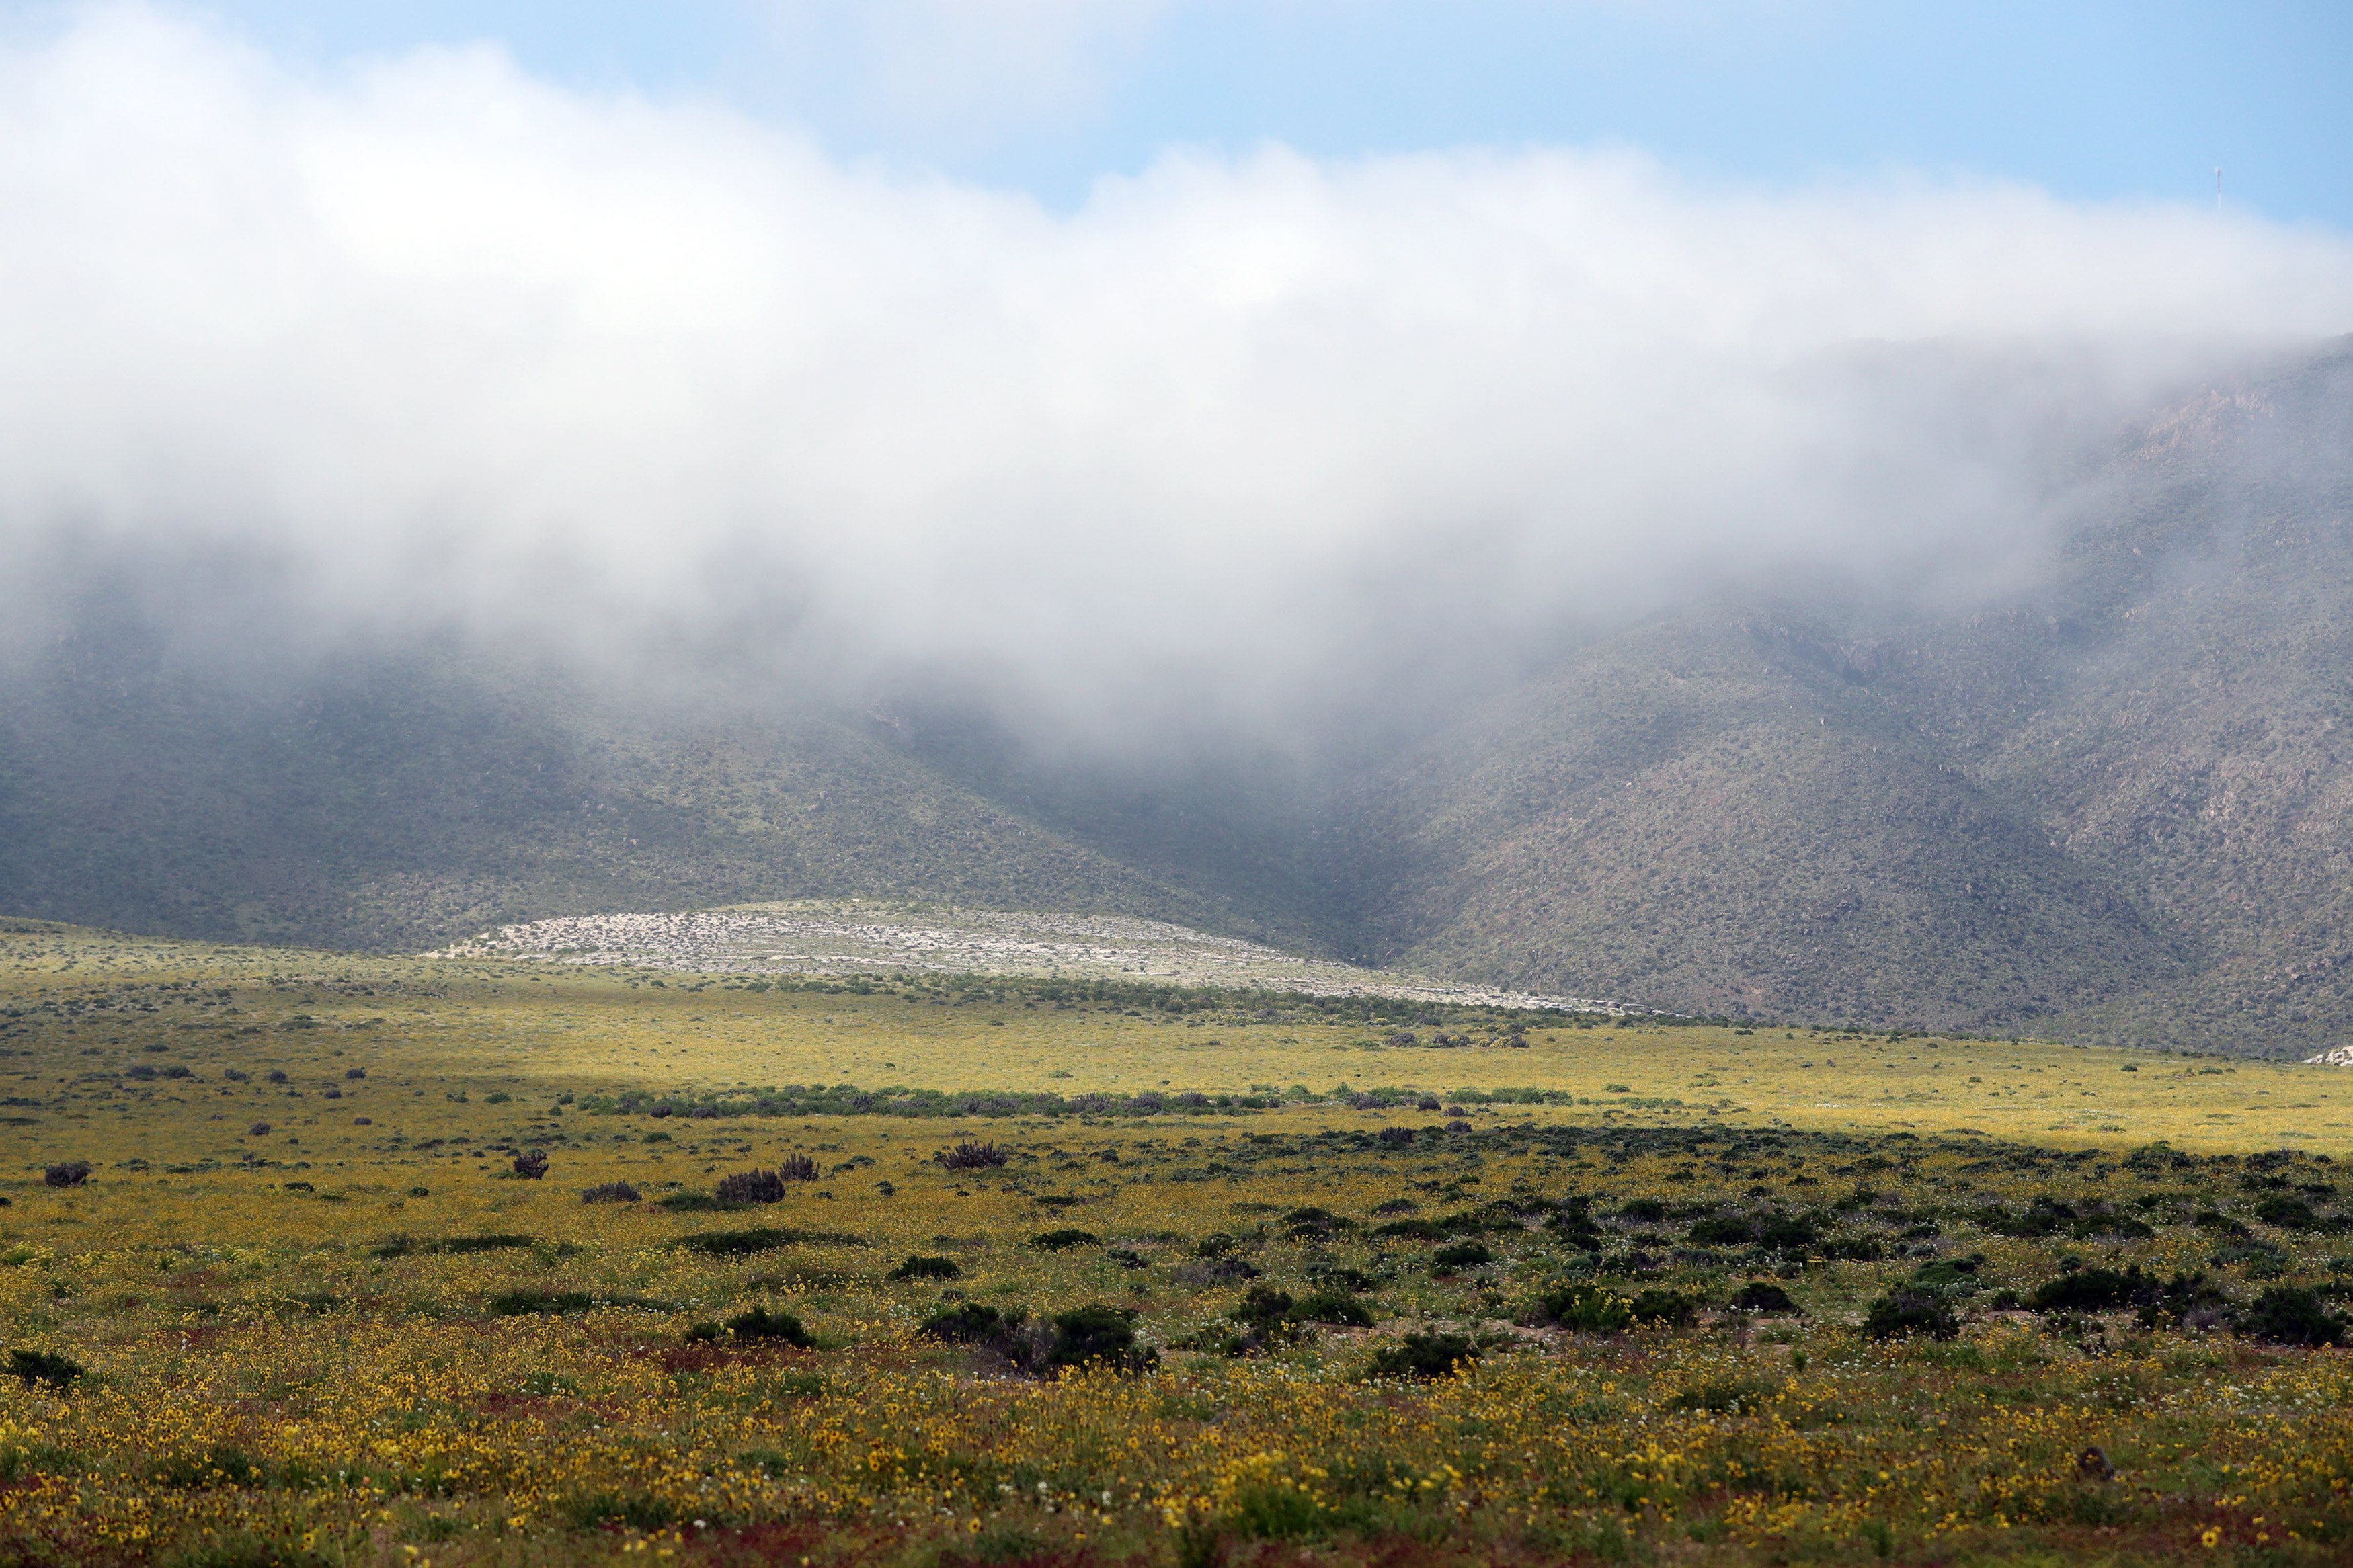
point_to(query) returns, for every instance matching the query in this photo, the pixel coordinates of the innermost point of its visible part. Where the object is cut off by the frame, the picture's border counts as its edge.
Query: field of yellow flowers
(316, 1259)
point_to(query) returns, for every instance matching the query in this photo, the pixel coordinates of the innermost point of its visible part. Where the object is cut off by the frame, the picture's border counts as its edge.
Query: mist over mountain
(432, 496)
(2108, 805)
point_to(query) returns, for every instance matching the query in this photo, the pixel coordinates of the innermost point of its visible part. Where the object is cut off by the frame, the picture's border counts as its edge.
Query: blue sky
(2092, 100)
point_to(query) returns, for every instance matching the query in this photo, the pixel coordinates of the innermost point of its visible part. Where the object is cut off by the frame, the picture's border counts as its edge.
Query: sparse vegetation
(1811, 1301)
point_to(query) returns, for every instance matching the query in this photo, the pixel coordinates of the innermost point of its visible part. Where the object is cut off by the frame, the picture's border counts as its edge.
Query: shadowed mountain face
(2116, 805)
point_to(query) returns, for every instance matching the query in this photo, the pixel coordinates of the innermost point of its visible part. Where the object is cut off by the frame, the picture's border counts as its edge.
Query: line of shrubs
(849, 1100)
(1927, 1304)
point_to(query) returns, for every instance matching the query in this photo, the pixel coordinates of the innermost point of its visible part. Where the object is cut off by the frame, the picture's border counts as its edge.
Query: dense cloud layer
(432, 344)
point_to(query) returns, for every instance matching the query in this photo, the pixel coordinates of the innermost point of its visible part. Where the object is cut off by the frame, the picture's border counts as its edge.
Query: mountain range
(2110, 804)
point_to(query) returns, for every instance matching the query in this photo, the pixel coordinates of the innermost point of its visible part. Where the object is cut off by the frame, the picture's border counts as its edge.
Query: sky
(1122, 355)
(2096, 99)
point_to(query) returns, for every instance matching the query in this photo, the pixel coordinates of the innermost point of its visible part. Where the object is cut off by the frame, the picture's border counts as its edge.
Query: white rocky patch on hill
(874, 936)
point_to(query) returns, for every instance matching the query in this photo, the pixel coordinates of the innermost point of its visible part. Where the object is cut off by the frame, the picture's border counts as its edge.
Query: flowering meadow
(307, 1259)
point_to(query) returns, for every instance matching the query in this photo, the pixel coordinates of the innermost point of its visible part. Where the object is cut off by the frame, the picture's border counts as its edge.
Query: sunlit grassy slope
(426, 1029)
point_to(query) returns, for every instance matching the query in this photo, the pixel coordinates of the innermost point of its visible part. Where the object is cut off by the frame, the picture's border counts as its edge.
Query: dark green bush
(1903, 1312)
(1584, 1309)
(43, 1366)
(1461, 1255)
(1095, 1334)
(919, 1267)
(2289, 1315)
(966, 1322)
(2289, 1214)
(1063, 1240)
(1423, 1356)
(2092, 1290)
(1335, 1307)
(1766, 1298)
(527, 1301)
(760, 1323)
(1262, 1306)
(1668, 1307)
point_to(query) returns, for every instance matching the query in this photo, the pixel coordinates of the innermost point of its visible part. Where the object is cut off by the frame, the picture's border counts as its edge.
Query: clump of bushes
(752, 1187)
(1461, 1255)
(65, 1173)
(971, 1156)
(1091, 1335)
(796, 1168)
(922, 1268)
(611, 1192)
(531, 1165)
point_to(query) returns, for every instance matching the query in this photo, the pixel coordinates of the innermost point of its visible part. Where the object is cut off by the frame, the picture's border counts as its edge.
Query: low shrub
(1063, 1240)
(2092, 1290)
(2290, 1315)
(1903, 1312)
(761, 1238)
(1423, 1356)
(1263, 1305)
(1335, 1307)
(1461, 1255)
(752, 1187)
(531, 1165)
(2289, 1214)
(970, 1156)
(760, 1323)
(922, 1268)
(531, 1301)
(966, 1322)
(65, 1173)
(1094, 1335)
(43, 1367)
(796, 1168)
(1670, 1307)
(611, 1192)
(1765, 1298)
(1584, 1309)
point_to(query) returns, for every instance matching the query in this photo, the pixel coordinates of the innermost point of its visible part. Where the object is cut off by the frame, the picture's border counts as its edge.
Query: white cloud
(456, 343)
